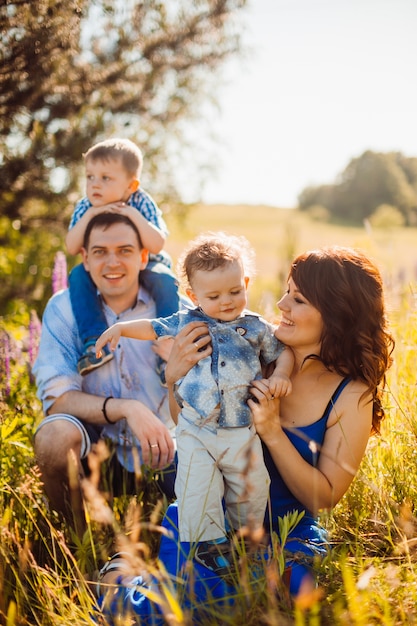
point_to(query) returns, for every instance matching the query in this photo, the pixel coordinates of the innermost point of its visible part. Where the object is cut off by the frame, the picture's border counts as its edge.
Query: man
(124, 400)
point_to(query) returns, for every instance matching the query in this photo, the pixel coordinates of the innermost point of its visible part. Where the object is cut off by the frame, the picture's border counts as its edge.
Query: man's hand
(155, 439)
(192, 344)
(162, 347)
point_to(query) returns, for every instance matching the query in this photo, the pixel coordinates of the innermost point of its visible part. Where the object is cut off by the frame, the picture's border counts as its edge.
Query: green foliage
(26, 262)
(369, 576)
(368, 181)
(316, 196)
(386, 216)
(75, 72)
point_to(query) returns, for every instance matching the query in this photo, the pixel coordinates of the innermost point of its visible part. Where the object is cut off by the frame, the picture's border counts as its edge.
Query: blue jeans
(157, 279)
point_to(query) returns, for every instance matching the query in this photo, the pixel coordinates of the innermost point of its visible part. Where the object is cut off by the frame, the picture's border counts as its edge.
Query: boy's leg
(162, 285)
(199, 488)
(245, 475)
(198, 485)
(89, 317)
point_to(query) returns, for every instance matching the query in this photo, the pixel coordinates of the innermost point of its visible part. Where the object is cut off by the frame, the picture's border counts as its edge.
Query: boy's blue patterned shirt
(140, 200)
(222, 380)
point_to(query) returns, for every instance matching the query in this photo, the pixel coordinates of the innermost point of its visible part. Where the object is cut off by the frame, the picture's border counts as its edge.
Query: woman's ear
(190, 293)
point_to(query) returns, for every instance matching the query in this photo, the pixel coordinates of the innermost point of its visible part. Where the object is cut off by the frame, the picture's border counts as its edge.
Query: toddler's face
(107, 182)
(222, 292)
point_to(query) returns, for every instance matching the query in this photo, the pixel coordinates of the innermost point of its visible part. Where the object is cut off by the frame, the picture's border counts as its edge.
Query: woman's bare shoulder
(355, 399)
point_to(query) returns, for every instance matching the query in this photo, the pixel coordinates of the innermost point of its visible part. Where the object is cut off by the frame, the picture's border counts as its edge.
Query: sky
(321, 82)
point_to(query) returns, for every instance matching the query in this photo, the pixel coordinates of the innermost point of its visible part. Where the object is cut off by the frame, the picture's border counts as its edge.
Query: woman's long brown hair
(346, 287)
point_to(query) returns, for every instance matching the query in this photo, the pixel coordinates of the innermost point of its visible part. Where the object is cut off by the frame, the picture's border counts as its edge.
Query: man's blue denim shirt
(222, 380)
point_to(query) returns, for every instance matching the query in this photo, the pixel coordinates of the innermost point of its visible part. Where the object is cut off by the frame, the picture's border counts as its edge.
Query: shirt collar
(199, 313)
(143, 297)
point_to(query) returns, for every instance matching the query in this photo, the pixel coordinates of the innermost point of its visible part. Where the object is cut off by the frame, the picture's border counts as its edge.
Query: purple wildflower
(5, 365)
(35, 327)
(59, 273)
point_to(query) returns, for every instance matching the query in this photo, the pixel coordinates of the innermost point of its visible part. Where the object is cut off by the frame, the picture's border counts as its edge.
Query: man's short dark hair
(104, 220)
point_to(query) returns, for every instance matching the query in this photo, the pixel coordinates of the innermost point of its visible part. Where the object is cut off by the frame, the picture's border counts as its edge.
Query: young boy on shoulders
(113, 168)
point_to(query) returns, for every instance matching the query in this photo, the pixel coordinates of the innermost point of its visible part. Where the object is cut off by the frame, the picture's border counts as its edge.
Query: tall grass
(47, 572)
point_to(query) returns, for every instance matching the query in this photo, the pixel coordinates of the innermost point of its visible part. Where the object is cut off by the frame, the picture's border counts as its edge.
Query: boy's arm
(279, 381)
(136, 329)
(75, 236)
(153, 238)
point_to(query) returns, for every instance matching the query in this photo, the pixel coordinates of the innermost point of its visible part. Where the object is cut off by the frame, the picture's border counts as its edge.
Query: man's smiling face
(114, 260)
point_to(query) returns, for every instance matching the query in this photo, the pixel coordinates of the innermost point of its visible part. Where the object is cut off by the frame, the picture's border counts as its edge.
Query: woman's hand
(192, 344)
(265, 411)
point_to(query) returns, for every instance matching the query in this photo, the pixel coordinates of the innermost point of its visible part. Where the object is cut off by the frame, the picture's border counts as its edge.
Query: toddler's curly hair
(212, 250)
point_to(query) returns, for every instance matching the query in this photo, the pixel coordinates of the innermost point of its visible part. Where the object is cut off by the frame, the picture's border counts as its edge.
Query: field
(370, 576)
(277, 235)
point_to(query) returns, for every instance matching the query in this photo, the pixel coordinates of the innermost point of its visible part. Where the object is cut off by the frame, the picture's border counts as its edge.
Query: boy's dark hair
(123, 149)
(104, 220)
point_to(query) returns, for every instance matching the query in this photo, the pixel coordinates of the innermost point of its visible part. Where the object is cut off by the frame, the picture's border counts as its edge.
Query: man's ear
(190, 293)
(144, 257)
(84, 255)
(134, 185)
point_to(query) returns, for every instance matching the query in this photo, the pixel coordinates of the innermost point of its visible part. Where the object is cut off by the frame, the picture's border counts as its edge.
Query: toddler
(219, 453)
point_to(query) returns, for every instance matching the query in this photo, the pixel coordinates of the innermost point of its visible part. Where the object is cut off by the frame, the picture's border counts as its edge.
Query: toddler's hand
(126, 209)
(111, 335)
(279, 385)
(112, 207)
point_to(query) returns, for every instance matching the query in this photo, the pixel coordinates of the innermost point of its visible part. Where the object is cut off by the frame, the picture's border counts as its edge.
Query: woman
(333, 318)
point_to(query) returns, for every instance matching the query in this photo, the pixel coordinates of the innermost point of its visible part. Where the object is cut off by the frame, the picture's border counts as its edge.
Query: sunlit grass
(47, 572)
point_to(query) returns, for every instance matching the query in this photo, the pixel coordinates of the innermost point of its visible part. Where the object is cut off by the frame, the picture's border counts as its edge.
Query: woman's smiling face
(301, 324)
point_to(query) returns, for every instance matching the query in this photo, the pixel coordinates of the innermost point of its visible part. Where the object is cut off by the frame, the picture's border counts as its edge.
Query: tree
(386, 217)
(76, 71)
(368, 181)
(316, 196)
